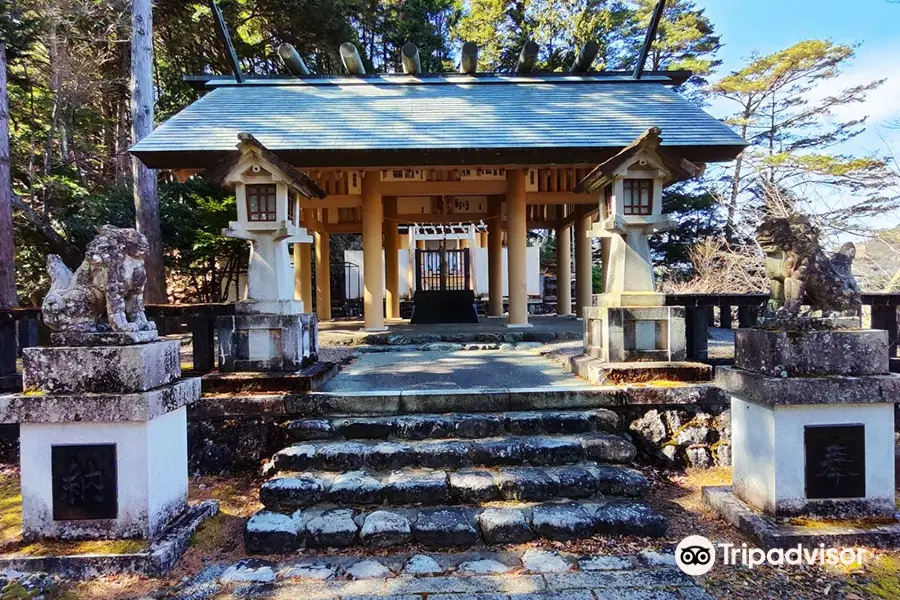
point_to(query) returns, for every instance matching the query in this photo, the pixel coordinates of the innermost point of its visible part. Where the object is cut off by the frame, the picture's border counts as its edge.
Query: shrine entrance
(443, 270)
(443, 277)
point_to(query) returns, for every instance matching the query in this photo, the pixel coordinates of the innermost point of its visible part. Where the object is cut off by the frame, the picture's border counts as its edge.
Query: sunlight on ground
(11, 542)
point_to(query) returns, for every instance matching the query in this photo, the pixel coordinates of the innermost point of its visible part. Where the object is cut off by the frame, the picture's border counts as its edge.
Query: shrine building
(504, 153)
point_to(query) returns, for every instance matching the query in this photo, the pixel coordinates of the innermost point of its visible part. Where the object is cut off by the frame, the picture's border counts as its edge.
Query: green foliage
(697, 217)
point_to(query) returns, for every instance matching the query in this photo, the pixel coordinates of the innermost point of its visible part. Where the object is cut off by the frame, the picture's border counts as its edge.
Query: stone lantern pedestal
(103, 429)
(267, 336)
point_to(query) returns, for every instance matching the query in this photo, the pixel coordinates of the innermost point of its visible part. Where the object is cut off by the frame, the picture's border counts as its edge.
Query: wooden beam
(354, 227)
(443, 188)
(556, 198)
(579, 213)
(332, 201)
(432, 218)
(225, 39)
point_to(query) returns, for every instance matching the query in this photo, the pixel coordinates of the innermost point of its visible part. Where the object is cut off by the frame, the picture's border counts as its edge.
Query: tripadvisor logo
(695, 555)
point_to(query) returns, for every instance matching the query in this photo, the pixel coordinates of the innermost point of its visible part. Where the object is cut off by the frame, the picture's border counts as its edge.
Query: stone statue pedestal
(103, 429)
(812, 419)
(267, 335)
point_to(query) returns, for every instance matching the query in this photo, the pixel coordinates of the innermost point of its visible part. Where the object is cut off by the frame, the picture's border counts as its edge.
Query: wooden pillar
(517, 234)
(372, 224)
(391, 259)
(725, 316)
(203, 331)
(583, 266)
(885, 317)
(463, 244)
(696, 321)
(482, 239)
(303, 275)
(747, 316)
(420, 244)
(563, 271)
(495, 257)
(323, 275)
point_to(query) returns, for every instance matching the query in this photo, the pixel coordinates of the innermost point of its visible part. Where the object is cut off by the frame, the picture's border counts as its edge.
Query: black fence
(22, 327)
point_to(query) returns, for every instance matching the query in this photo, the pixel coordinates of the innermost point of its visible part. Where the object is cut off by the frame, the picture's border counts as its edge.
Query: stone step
(433, 487)
(470, 426)
(270, 532)
(545, 450)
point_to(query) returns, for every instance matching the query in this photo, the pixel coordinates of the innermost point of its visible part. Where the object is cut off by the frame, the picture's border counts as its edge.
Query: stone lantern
(270, 330)
(630, 321)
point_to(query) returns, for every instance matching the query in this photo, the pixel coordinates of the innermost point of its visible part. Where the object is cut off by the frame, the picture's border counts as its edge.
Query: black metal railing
(22, 327)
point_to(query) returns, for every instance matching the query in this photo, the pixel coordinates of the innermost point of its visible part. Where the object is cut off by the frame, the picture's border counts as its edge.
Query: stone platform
(780, 533)
(600, 372)
(519, 574)
(156, 561)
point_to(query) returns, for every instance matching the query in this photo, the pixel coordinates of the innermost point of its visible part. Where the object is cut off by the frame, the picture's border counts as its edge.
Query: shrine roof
(448, 120)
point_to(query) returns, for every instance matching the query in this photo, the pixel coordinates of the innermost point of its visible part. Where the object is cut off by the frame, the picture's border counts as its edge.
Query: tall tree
(686, 39)
(146, 199)
(7, 249)
(793, 132)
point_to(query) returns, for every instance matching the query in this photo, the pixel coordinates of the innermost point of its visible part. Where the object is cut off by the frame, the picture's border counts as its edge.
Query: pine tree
(792, 132)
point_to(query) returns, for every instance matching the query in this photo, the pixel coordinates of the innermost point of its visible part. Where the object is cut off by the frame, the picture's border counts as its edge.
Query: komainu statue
(106, 293)
(800, 272)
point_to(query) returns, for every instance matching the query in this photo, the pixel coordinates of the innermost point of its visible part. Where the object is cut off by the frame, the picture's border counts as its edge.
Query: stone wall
(678, 436)
(228, 446)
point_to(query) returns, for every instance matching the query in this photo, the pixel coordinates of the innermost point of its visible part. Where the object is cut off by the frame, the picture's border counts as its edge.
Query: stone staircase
(451, 480)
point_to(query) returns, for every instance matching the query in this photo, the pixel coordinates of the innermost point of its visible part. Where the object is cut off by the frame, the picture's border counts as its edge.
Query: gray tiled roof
(377, 116)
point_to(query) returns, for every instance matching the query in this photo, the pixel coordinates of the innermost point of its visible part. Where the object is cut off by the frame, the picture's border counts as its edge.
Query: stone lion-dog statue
(106, 293)
(800, 272)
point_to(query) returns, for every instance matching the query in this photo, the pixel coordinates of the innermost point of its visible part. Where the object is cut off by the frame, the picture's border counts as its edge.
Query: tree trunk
(146, 201)
(7, 251)
(71, 254)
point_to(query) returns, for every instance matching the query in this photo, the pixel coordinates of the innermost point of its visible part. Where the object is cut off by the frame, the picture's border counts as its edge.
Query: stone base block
(91, 480)
(771, 533)
(834, 389)
(635, 333)
(268, 307)
(101, 369)
(814, 459)
(633, 299)
(812, 353)
(103, 338)
(269, 342)
(158, 559)
(98, 408)
(600, 372)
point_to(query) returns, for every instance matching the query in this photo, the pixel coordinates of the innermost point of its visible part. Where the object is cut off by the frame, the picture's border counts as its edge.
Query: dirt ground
(675, 495)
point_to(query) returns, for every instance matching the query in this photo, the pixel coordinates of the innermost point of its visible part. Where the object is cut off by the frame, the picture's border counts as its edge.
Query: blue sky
(770, 25)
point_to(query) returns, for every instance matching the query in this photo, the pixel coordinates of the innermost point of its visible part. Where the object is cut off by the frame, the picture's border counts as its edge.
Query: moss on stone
(11, 532)
(882, 579)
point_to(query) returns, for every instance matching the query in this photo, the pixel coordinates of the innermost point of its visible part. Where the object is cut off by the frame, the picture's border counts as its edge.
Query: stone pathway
(467, 369)
(530, 575)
